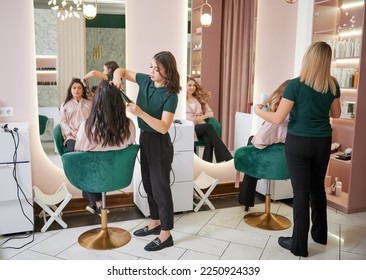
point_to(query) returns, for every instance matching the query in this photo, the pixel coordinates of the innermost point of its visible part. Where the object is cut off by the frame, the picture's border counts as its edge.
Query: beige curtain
(237, 61)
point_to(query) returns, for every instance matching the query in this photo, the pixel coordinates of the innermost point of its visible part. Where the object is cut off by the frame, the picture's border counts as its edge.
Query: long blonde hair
(315, 70)
(274, 99)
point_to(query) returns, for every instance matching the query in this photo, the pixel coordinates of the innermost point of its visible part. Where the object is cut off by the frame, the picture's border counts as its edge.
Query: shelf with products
(196, 55)
(341, 24)
(342, 170)
(46, 68)
(346, 71)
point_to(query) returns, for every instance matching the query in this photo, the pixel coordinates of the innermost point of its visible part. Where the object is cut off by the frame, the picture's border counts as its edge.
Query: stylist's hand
(134, 109)
(258, 107)
(117, 82)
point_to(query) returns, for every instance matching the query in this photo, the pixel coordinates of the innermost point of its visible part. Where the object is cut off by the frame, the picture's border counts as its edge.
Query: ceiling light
(68, 9)
(206, 16)
(352, 4)
(90, 10)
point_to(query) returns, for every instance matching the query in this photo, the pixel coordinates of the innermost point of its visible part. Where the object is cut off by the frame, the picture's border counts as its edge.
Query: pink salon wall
(19, 87)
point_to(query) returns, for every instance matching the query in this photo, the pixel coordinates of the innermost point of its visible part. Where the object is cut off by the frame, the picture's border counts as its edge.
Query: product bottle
(333, 187)
(338, 188)
(355, 79)
(351, 80)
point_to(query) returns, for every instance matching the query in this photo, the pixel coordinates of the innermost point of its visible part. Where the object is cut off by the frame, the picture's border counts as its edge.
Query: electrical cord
(19, 190)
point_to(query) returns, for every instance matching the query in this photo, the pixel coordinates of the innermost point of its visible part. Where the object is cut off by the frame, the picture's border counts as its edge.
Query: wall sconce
(68, 9)
(206, 16)
(291, 1)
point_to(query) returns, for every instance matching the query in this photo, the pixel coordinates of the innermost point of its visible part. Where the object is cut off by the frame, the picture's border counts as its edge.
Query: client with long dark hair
(107, 128)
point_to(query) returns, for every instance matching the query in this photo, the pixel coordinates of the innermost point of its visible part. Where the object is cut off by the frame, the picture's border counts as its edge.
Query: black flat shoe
(145, 231)
(157, 245)
(246, 209)
(285, 242)
(320, 242)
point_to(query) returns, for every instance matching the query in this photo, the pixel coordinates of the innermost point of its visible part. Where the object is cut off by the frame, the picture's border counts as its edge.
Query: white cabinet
(181, 176)
(279, 189)
(16, 199)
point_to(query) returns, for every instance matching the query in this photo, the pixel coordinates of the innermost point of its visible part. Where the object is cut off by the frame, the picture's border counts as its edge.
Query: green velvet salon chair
(217, 126)
(101, 172)
(268, 163)
(59, 141)
(42, 123)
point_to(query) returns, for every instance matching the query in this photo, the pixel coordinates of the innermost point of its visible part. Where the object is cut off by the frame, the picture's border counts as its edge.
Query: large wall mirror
(104, 41)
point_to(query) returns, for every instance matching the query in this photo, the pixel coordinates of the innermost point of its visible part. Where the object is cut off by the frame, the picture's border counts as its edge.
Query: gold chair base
(267, 221)
(104, 239)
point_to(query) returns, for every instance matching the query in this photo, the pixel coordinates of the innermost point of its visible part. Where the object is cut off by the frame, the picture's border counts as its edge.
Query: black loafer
(145, 231)
(285, 242)
(157, 245)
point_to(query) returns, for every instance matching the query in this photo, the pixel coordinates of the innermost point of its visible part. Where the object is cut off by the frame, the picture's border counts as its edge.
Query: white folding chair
(48, 204)
(203, 182)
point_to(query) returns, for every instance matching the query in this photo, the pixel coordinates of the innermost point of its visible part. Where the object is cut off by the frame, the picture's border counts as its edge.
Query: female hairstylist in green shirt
(155, 107)
(310, 99)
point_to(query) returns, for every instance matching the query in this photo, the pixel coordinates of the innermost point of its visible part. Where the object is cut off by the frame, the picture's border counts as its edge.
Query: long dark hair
(111, 66)
(69, 94)
(107, 123)
(166, 60)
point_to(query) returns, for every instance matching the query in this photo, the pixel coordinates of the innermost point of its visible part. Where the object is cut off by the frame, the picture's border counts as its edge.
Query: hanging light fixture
(90, 10)
(68, 9)
(206, 16)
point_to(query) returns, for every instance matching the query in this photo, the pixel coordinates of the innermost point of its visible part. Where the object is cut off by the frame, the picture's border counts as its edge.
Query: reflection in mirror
(107, 36)
(103, 43)
(207, 128)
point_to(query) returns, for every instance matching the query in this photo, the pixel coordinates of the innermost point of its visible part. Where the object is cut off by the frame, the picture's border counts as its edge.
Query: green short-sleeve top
(310, 114)
(154, 101)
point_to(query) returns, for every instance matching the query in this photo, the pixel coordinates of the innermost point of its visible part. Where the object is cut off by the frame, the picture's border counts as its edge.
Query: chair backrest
(205, 181)
(268, 163)
(100, 171)
(59, 141)
(42, 123)
(217, 126)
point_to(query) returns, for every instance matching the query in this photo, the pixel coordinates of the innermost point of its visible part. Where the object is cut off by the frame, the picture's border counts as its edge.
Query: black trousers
(247, 187)
(307, 159)
(70, 145)
(213, 143)
(156, 153)
(92, 197)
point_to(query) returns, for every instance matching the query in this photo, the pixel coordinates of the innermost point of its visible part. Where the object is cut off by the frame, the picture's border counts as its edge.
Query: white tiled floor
(205, 235)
